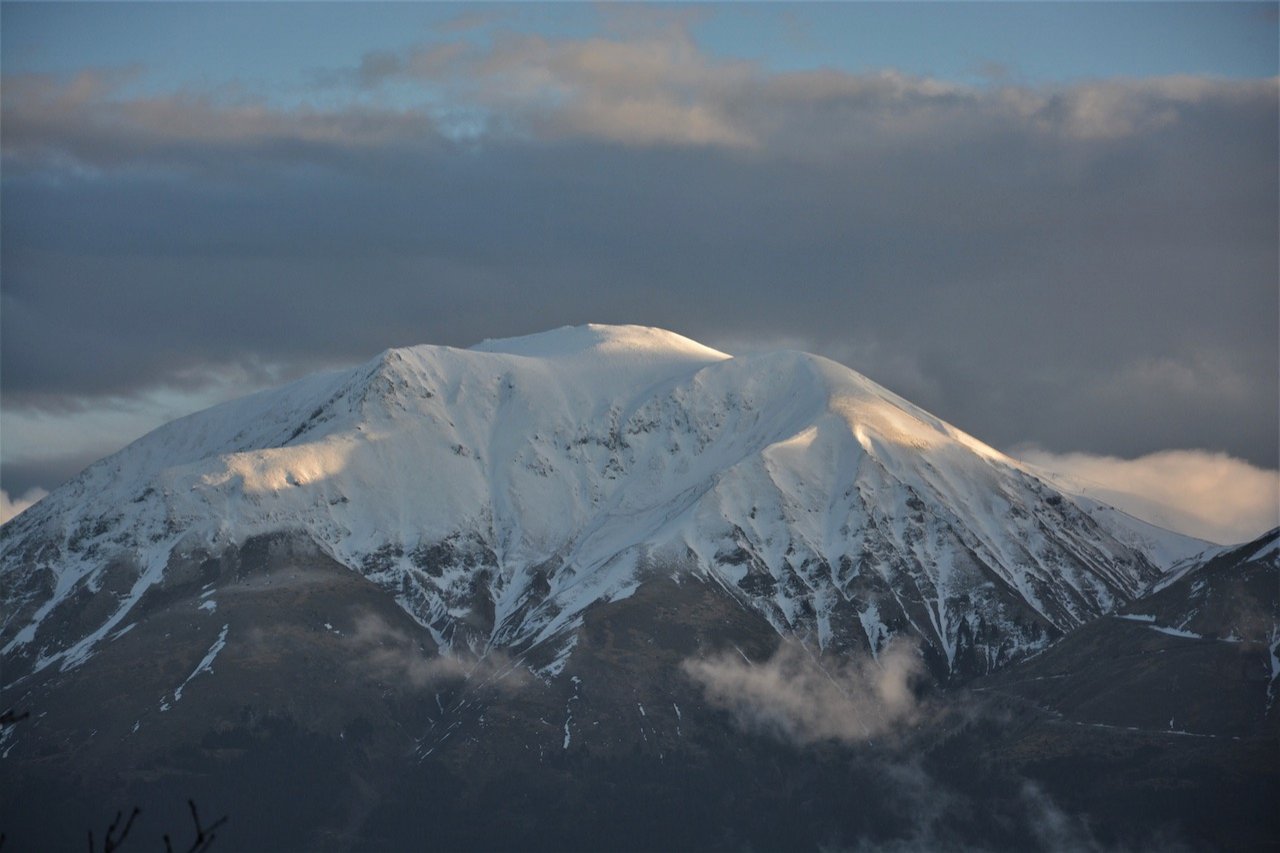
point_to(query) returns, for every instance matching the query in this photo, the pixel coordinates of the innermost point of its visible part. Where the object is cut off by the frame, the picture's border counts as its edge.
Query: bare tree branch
(112, 842)
(204, 834)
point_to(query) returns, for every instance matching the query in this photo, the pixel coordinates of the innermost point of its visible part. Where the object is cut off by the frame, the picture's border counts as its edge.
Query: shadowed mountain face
(285, 690)
(290, 693)
(605, 588)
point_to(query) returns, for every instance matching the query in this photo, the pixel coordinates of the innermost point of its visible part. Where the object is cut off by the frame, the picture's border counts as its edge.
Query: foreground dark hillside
(681, 721)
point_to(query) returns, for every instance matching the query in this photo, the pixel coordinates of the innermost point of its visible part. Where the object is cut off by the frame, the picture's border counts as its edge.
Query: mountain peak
(632, 341)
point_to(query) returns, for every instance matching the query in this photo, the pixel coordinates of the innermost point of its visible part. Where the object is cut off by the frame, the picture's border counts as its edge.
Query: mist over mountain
(607, 587)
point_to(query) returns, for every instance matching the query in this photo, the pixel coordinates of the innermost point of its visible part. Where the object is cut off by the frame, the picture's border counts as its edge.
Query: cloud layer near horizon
(9, 507)
(1089, 267)
(1208, 495)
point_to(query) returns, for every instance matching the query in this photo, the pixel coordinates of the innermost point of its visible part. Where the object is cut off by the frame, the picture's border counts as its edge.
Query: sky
(1053, 225)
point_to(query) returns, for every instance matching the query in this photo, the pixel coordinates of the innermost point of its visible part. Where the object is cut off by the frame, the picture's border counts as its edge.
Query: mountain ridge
(501, 490)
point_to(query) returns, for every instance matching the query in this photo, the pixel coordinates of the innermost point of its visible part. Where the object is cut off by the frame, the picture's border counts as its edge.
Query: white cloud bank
(794, 696)
(9, 507)
(1208, 495)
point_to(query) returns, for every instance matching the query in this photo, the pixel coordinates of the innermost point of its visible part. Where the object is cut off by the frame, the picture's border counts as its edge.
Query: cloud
(1208, 495)
(394, 656)
(796, 697)
(93, 120)
(935, 808)
(1088, 267)
(653, 85)
(11, 507)
(649, 86)
(943, 804)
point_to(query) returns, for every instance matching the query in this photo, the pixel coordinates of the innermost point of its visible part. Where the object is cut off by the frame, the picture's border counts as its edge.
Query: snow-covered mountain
(499, 492)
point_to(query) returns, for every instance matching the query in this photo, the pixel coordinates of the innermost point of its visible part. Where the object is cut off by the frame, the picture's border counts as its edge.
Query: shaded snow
(1176, 632)
(568, 711)
(206, 664)
(1165, 548)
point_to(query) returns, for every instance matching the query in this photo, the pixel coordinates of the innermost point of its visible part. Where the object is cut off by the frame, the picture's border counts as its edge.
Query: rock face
(500, 492)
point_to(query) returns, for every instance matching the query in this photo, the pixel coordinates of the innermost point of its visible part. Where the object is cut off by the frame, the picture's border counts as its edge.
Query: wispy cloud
(1209, 495)
(795, 696)
(93, 120)
(655, 86)
(1030, 815)
(394, 656)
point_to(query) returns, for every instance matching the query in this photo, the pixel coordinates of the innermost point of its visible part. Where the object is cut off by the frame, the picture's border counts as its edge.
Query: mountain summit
(499, 492)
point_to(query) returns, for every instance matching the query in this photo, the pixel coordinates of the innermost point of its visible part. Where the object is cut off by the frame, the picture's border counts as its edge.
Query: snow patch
(205, 665)
(1176, 632)
(568, 711)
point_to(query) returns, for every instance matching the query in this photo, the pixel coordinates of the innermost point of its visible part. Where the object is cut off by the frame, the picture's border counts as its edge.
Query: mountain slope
(1167, 707)
(1166, 549)
(500, 492)
(1199, 656)
(278, 687)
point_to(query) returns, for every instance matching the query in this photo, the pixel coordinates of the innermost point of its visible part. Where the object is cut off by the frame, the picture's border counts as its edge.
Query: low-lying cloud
(393, 655)
(1208, 495)
(1035, 818)
(799, 698)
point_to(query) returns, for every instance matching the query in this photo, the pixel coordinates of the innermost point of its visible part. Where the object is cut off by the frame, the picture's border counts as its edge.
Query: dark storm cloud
(1089, 267)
